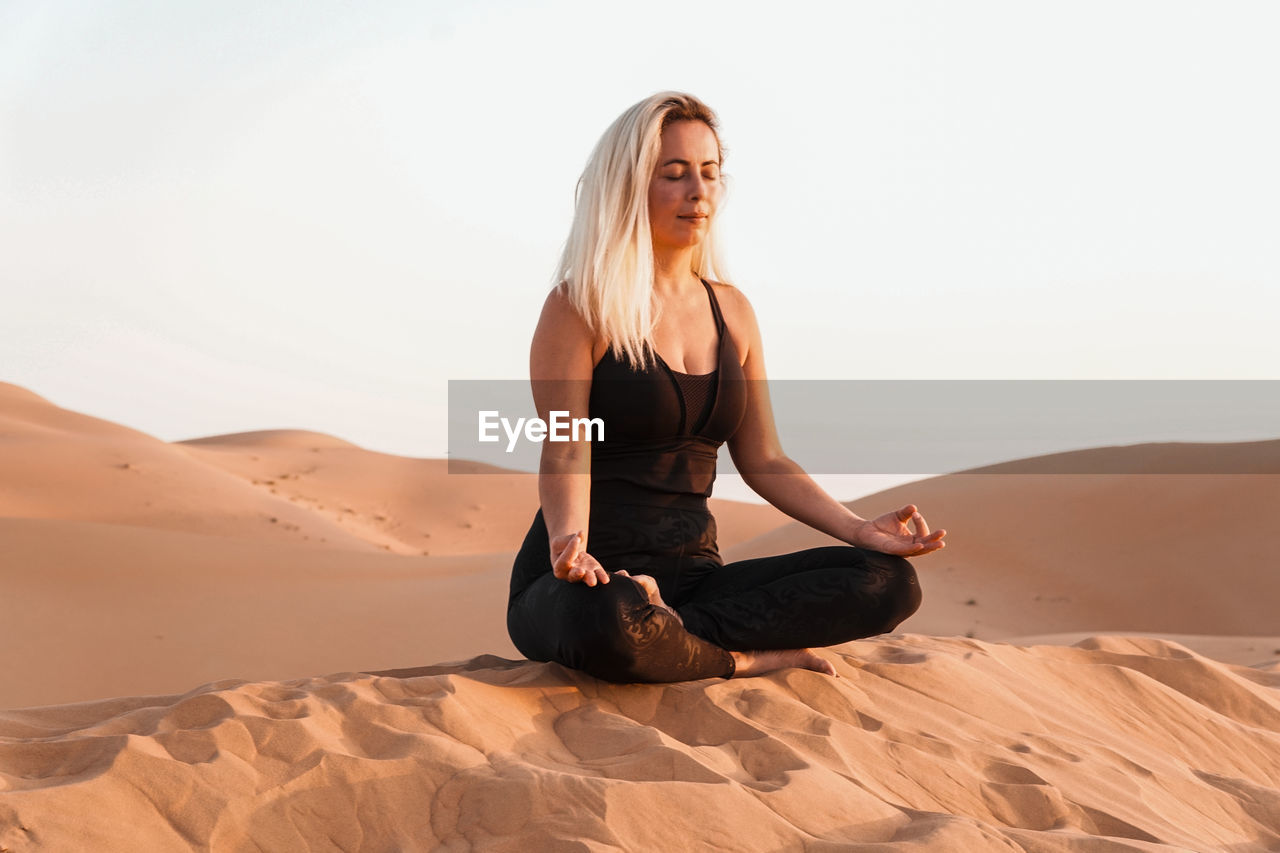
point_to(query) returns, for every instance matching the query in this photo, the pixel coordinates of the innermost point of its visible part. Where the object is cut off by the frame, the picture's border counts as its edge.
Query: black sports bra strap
(715, 306)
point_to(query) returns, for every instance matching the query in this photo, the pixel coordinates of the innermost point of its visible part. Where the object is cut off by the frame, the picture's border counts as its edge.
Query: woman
(619, 575)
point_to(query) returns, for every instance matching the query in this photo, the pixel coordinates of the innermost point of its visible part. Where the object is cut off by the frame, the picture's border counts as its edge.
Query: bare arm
(765, 467)
(560, 365)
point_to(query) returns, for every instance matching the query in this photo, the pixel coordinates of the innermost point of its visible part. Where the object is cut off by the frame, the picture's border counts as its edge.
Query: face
(685, 188)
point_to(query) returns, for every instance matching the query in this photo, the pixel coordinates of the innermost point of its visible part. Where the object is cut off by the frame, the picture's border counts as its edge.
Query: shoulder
(558, 308)
(561, 317)
(733, 302)
(563, 335)
(739, 316)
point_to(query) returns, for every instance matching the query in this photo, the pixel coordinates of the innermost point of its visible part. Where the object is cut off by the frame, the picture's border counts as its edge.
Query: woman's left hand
(890, 534)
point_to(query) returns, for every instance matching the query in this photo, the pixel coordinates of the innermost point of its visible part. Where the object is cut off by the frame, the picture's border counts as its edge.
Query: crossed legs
(620, 631)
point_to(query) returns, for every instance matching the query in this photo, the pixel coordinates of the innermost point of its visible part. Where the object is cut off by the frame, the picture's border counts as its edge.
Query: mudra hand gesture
(889, 534)
(570, 563)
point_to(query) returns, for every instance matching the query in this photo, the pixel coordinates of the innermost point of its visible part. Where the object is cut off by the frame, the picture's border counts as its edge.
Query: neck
(673, 271)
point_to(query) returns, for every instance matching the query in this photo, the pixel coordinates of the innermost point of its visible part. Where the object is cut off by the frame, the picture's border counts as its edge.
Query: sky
(227, 216)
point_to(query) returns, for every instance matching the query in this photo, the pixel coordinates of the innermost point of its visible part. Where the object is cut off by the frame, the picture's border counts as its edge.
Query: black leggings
(818, 597)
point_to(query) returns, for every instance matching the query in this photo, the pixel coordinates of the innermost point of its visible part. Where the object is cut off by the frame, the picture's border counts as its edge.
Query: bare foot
(769, 660)
(650, 587)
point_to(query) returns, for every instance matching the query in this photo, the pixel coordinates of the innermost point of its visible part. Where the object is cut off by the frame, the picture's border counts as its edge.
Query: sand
(280, 641)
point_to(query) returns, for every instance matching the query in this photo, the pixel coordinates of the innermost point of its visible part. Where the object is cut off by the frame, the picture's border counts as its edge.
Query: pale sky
(218, 217)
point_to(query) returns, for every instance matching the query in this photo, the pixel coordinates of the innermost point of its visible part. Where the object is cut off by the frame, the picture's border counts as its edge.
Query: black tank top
(663, 428)
(653, 473)
(699, 394)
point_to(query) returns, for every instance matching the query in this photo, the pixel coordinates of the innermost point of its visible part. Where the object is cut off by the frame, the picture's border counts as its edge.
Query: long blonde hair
(607, 264)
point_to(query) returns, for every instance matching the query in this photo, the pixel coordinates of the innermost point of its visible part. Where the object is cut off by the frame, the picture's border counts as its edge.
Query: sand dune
(1043, 554)
(110, 610)
(268, 554)
(922, 744)
(1165, 457)
(251, 562)
(288, 486)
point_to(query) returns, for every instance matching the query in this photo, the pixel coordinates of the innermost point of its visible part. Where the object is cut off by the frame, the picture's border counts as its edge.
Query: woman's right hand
(570, 563)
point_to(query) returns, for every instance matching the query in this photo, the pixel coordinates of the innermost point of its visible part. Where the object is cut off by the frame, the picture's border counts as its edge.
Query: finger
(934, 537)
(602, 574)
(906, 512)
(571, 551)
(567, 557)
(922, 527)
(923, 548)
(900, 549)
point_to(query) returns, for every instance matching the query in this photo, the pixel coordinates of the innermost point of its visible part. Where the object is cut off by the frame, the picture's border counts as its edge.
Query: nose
(698, 190)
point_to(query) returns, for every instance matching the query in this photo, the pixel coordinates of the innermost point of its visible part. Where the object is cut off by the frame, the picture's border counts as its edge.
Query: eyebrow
(678, 162)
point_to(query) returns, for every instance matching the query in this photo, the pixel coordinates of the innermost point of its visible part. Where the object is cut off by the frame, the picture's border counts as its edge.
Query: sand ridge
(924, 744)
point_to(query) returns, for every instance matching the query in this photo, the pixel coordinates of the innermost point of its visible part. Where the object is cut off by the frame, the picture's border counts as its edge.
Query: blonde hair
(607, 264)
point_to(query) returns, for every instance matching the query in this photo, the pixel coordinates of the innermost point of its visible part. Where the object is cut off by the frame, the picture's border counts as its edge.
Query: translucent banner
(929, 426)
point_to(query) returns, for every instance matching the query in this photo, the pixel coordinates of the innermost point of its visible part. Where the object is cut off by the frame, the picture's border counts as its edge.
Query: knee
(902, 595)
(609, 638)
